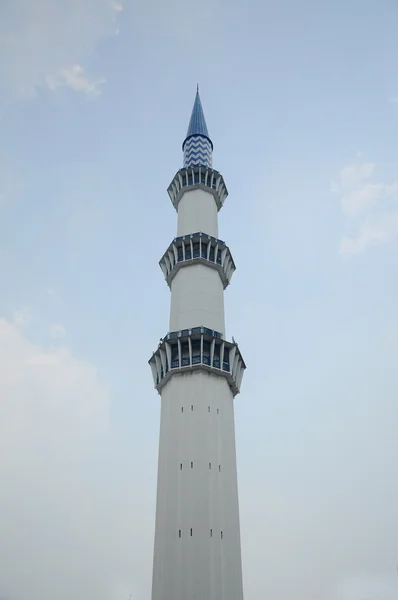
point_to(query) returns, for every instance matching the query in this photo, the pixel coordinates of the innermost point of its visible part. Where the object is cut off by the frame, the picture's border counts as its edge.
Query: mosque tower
(197, 372)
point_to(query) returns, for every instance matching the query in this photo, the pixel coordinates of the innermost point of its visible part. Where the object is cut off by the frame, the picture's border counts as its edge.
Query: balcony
(198, 177)
(198, 248)
(195, 349)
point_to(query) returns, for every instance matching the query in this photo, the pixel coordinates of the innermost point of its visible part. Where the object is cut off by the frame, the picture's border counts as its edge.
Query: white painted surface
(201, 566)
(197, 211)
(197, 298)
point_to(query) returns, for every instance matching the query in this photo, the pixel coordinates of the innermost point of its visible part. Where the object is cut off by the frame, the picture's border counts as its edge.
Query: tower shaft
(197, 552)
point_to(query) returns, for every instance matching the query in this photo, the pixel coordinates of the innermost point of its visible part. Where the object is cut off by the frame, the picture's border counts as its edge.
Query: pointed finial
(197, 124)
(197, 146)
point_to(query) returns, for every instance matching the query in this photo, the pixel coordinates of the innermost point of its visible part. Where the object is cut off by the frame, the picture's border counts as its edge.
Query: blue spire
(197, 124)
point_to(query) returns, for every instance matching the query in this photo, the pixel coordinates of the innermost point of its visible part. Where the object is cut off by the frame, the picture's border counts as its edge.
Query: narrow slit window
(219, 467)
(208, 408)
(222, 535)
(209, 465)
(179, 533)
(191, 532)
(182, 409)
(180, 466)
(191, 465)
(218, 411)
(191, 406)
(211, 533)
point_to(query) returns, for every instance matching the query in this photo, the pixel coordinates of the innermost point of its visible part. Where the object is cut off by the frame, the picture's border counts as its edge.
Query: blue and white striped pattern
(197, 151)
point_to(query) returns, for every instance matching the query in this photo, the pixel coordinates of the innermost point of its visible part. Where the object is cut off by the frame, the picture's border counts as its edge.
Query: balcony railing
(184, 333)
(197, 359)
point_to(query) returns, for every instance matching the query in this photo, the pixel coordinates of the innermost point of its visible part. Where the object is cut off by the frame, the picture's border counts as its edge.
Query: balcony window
(175, 363)
(219, 256)
(225, 364)
(188, 251)
(184, 354)
(211, 254)
(216, 357)
(196, 250)
(196, 358)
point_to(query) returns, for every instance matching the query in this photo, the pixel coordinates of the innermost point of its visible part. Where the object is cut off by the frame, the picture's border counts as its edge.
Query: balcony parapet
(199, 177)
(194, 349)
(197, 248)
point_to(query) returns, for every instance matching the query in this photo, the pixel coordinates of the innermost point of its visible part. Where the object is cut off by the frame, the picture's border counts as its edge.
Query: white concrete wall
(201, 566)
(197, 298)
(197, 211)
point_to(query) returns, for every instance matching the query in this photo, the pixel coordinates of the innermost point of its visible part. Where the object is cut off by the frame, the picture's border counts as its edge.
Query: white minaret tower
(197, 372)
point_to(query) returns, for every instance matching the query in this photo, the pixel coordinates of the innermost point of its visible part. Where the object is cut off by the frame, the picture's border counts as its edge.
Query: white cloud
(46, 42)
(75, 78)
(368, 207)
(371, 233)
(117, 6)
(69, 525)
(57, 331)
(21, 317)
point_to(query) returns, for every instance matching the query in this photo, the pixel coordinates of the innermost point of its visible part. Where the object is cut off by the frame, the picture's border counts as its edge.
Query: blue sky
(301, 101)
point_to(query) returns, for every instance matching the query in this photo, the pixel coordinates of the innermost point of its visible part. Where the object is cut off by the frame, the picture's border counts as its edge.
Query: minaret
(198, 373)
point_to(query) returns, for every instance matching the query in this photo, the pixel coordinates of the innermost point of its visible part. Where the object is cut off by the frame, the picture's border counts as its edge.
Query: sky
(301, 102)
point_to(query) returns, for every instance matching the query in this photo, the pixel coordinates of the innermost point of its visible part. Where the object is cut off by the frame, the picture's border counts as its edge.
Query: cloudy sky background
(301, 100)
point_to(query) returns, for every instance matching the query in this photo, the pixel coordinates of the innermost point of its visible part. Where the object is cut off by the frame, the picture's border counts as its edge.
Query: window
(222, 535)
(182, 409)
(219, 467)
(218, 411)
(208, 408)
(191, 406)
(206, 352)
(211, 533)
(196, 357)
(209, 465)
(216, 357)
(191, 465)
(180, 466)
(226, 359)
(191, 532)
(179, 533)
(184, 354)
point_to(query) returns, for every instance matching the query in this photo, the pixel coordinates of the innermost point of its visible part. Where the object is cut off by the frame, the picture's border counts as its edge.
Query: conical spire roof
(197, 124)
